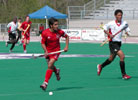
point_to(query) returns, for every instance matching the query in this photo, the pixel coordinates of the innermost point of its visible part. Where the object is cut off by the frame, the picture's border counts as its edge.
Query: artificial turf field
(20, 78)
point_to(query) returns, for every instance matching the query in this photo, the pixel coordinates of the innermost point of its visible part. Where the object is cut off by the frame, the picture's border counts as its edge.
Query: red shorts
(53, 56)
(25, 36)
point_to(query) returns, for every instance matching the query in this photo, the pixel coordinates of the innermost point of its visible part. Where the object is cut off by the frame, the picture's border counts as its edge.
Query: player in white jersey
(12, 33)
(115, 42)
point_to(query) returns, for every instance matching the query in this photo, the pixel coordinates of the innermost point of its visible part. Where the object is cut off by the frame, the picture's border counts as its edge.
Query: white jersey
(113, 27)
(12, 27)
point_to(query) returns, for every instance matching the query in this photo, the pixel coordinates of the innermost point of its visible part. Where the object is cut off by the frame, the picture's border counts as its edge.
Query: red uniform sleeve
(43, 41)
(63, 34)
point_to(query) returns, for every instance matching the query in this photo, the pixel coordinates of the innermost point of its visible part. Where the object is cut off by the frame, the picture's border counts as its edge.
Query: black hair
(118, 11)
(19, 18)
(51, 21)
(15, 19)
(27, 16)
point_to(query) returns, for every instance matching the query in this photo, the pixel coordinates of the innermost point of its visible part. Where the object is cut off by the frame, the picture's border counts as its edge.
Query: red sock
(22, 41)
(48, 75)
(24, 47)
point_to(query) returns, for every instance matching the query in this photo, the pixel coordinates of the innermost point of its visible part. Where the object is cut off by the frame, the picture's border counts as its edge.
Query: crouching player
(115, 43)
(51, 43)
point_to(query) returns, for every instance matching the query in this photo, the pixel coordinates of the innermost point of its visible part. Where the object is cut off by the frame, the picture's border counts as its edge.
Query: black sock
(107, 62)
(12, 46)
(9, 42)
(122, 67)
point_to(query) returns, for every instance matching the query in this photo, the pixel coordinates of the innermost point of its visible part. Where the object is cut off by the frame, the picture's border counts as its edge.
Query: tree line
(20, 8)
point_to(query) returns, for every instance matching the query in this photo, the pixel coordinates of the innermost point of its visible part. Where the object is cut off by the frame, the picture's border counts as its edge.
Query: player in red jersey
(41, 29)
(26, 25)
(51, 43)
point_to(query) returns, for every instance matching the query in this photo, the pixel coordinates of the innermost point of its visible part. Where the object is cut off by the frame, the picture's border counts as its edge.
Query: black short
(12, 36)
(114, 47)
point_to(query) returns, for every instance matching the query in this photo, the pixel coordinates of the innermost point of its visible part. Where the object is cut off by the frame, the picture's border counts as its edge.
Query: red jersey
(41, 28)
(25, 25)
(52, 39)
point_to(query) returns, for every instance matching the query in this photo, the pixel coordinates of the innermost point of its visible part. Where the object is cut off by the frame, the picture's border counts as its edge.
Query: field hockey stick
(33, 56)
(26, 30)
(3, 36)
(125, 37)
(114, 35)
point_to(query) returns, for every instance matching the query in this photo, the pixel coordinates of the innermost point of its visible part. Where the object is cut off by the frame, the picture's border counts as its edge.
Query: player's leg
(48, 73)
(24, 45)
(112, 47)
(9, 40)
(13, 44)
(19, 36)
(57, 72)
(28, 41)
(49, 70)
(12, 41)
(122, 64)
(107, 62)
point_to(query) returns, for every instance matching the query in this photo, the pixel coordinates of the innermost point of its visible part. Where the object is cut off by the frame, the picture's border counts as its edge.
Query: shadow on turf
(66, 88)
(120, 78)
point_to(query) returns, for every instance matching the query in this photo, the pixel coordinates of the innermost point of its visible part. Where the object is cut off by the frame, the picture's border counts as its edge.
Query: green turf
(20, 78)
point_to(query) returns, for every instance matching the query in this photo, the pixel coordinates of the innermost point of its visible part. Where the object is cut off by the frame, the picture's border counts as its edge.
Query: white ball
(50, 93)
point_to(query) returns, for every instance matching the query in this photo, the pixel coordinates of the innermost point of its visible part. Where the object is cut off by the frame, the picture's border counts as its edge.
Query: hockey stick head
(33, 56)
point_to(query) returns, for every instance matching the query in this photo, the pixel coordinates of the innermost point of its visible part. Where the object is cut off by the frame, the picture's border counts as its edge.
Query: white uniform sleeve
(9, 24)
(106, 27)
(16, 26)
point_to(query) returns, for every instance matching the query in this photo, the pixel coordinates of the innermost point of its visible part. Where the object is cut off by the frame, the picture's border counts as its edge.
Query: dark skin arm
(110, 35)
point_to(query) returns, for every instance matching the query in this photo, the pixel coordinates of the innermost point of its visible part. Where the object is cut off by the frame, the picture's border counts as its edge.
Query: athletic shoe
(44, 86)
(20, 43)
(16, 44)
(99, 69)
(58, 74)
(25, 51)
(10, 51)
(6, 44)
(126, 76)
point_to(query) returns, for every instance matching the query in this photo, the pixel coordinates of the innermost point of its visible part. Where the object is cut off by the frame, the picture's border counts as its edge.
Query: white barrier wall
(97, 35)
(74, 34)
(85, 34)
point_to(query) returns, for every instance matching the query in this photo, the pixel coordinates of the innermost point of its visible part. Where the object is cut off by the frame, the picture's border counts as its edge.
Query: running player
(41, 29)
(12, 27)
(19, 30)
(115, 43)
(25, 27)
(51, 43)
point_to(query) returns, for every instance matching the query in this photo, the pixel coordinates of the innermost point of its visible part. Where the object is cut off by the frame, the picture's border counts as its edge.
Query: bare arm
(67, 44)
(111, 36)
(44, 48)
(128, 33)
